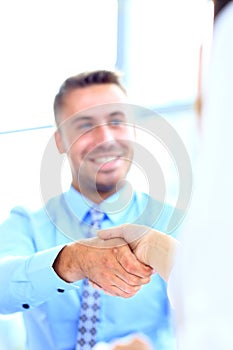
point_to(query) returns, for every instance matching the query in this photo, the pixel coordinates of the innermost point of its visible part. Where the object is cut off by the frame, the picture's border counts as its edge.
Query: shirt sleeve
(27, 277)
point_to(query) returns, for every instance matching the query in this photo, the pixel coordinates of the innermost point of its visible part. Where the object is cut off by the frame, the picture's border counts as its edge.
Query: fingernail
(137, 288)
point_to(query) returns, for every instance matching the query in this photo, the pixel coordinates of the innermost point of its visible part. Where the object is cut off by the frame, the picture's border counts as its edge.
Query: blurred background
(156, 44)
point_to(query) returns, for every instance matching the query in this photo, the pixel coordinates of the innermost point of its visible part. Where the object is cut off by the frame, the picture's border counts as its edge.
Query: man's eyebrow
(78, 118)
(113, 114)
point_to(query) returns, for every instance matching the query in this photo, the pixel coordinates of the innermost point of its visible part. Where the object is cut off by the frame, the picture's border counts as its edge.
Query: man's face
(96, 138)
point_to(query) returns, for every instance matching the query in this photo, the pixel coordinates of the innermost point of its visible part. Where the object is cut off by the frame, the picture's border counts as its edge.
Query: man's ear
(59, 143)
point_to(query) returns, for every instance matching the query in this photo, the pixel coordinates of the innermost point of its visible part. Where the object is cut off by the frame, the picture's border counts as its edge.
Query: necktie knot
(97, 217)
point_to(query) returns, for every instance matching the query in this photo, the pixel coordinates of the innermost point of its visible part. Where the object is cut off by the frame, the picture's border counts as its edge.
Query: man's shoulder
(40, 213)
(152, 204)
(158, 214)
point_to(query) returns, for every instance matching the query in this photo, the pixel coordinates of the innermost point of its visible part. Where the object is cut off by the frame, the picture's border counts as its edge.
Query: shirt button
(25, 306)
(60, 290)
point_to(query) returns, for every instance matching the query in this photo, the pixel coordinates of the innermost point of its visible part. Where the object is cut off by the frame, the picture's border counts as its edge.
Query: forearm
(161, 252)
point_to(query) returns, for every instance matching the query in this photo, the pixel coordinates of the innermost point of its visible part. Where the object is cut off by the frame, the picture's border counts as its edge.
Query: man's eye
(85, 126)
(116, 122)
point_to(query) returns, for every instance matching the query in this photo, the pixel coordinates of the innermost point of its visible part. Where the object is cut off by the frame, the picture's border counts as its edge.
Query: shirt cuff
(42, 276)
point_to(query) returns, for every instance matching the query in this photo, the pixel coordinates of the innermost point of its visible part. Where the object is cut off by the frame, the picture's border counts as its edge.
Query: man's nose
(103, 133)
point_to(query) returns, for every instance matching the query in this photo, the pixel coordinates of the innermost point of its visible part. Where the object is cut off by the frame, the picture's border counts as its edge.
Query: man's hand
(130, 342)
(137, 343)
(151, 247)
(110, 265)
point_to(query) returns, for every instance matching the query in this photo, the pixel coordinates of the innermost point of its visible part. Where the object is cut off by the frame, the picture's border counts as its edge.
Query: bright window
(163, 44)
(42, 43)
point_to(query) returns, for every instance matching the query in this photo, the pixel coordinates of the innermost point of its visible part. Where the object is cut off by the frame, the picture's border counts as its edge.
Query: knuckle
(135, 280)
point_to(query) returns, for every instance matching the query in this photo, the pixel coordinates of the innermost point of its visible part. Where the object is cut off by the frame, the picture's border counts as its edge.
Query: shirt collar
(78, 203)
(114, 207)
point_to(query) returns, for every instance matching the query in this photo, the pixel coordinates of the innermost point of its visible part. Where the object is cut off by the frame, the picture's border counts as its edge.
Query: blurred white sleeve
(201, 283)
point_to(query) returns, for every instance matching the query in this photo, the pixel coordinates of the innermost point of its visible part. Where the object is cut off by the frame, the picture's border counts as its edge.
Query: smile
(102, 160)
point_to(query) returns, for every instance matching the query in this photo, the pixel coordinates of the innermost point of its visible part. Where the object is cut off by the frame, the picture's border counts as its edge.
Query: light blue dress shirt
(29, 244)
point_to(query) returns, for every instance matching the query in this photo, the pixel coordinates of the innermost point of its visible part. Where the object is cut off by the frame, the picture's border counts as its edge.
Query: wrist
(66, 265)
(161, 254)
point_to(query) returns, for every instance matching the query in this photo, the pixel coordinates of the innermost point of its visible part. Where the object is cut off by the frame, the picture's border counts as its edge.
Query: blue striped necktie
(90, 304)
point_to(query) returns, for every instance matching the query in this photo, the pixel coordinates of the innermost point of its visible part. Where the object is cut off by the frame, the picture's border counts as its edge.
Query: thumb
(113, 232)
(129, 232)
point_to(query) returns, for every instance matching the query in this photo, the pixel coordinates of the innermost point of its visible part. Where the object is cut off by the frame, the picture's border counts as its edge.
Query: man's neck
(95, 196)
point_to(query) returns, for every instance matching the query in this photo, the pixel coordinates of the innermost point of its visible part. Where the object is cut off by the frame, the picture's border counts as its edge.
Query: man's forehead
(110, 110)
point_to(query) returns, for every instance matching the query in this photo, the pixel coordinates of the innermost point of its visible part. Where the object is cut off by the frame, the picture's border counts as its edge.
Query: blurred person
(45, 263)
(203, 299)
(199, 272)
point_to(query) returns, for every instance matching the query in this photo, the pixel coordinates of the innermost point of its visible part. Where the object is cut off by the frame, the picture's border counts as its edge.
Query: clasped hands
(120, 260)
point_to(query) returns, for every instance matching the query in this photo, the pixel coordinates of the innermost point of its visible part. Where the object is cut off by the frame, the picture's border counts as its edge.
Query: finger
(130, 232)
(112, 232)
(131, 264)
(101, 243)
(133, 281)
(130, 280)
(113, 274)
(134, 344)
(95, 285)
(115, 291)
(119, 278)
(127, 281)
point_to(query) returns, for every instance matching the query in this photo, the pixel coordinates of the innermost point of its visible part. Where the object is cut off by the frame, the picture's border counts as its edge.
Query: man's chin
(110, 183)
(106, 188)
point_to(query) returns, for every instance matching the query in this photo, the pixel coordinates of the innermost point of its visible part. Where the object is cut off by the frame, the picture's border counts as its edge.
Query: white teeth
(105, 159)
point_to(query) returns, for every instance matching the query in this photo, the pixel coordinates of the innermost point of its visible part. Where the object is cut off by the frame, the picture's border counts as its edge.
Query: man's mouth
(106, 163)
(103, 160)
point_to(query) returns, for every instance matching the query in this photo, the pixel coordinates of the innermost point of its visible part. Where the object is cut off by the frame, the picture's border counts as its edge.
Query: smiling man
(96, 139)
(45, 259)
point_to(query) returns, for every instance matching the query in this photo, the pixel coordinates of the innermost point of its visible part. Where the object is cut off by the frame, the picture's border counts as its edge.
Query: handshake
(130, 254)
(120, 260)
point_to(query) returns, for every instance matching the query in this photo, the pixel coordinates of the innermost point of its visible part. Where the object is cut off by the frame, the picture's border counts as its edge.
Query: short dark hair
(83, 80)
(219, 5)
